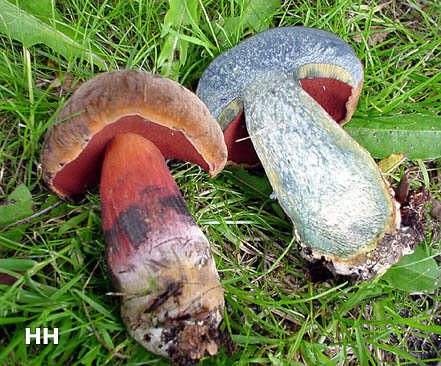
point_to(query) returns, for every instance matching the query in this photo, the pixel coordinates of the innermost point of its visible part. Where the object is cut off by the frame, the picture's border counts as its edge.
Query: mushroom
(160, 261)
(295, 87)
(325, 66)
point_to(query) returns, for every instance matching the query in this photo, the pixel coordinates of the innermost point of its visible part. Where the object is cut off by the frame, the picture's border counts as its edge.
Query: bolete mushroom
(121, 125)
(295, 87)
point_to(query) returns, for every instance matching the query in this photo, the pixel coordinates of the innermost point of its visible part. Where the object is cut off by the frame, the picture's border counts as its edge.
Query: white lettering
(46, 336)
(36, 335)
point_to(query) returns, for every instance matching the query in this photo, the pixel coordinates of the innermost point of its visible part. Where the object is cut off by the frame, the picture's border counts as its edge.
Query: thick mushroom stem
(333, 96)
(342, 209)
(291, 85)
(172, 301)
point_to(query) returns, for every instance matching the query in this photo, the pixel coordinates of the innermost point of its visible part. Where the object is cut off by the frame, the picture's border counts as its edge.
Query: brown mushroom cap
(161, 110)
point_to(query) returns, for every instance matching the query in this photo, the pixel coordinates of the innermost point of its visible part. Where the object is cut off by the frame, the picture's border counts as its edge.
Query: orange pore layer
(331, 94)
(84, 172)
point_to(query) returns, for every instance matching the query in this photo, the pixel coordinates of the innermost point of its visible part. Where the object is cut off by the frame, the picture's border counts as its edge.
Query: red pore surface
(240, 152)
(142, 209)
(84, 172)
(331, 94)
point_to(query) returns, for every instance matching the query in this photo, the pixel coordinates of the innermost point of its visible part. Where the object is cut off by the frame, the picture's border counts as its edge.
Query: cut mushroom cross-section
(119, 126)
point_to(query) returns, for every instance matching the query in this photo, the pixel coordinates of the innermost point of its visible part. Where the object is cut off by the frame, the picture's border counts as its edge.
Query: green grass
(274, 314)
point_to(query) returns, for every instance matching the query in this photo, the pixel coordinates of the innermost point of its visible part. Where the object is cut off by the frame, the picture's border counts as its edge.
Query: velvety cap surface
(159, 109)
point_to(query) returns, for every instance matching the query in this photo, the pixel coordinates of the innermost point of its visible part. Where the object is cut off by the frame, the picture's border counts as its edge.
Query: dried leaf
(402, 190)
(436, 209)
(391, 162)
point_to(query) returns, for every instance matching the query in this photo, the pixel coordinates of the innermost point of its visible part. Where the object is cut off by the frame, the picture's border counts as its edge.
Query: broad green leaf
(252, 184)
(258, 13)
(231, 27)
(41, 9)
(32, 25)
(15, 233)
(414, 273)
(226, 232)
(46, 11)
(20, 194)
(14, 264)
(227, 30)
(73, 223)
(9, 267)
(180, 14)
(17, 206)
(190, 39)
(417, 135)
(13, 320)
(55, 211)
